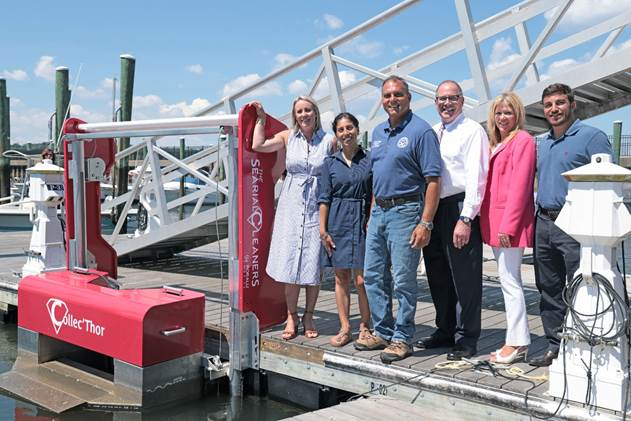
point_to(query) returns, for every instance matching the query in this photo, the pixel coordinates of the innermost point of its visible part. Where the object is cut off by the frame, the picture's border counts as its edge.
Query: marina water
(216, 405)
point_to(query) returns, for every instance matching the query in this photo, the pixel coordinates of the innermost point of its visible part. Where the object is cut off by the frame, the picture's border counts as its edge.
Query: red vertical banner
(258, 293)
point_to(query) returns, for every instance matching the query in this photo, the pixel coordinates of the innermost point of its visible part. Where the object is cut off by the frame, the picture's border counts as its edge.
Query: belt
(550, 214)
(458, 197)
(396, 201)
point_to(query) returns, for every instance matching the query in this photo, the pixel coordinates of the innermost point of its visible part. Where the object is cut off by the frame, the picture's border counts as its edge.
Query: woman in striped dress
(295, 247)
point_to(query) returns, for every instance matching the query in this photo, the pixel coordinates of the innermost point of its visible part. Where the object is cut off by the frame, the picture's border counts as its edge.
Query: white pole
(161, 124)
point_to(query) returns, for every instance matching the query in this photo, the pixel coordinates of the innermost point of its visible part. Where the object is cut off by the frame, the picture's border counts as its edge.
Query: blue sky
(191, 53)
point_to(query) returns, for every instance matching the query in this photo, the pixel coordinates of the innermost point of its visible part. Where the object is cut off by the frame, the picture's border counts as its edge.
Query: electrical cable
(628, 367)
(611, 302)
(616, 303)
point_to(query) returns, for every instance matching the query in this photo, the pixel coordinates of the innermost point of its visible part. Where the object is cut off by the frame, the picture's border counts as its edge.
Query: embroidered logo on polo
(403, 142)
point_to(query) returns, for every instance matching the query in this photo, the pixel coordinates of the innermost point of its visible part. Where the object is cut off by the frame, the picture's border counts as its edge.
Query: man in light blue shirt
(569, 144)
(406, 167)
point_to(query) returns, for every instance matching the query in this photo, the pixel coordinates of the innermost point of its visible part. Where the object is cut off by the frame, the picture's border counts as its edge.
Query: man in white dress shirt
(453, 258)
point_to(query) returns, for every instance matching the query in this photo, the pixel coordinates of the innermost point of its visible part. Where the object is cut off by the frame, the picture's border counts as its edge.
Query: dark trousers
(455, 275)
(557, 257)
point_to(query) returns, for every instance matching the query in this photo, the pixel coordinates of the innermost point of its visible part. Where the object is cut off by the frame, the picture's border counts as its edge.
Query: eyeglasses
(451, 98)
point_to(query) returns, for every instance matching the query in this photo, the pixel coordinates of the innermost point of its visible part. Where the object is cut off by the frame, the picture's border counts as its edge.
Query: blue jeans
(388, 244)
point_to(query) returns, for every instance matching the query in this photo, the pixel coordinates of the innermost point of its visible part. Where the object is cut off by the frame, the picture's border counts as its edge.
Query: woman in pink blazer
(507, 214)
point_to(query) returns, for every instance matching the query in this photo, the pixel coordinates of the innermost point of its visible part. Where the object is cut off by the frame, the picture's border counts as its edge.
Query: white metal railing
(156, 190)
(148, 186)
(521, 73)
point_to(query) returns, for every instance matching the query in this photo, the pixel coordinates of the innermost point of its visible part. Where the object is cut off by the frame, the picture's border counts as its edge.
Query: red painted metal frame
(105, 255)
(258, 292)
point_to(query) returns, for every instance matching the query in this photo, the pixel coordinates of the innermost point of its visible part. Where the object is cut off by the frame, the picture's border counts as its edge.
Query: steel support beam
(472, 48)
(543, 37)
(532, 74)
(606, 45)
(333, 80)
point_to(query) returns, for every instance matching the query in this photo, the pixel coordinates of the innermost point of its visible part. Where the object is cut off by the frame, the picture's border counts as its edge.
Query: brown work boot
(396, 351)
(370, 342)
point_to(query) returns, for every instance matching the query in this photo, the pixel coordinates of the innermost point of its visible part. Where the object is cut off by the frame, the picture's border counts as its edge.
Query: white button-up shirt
(464, 148)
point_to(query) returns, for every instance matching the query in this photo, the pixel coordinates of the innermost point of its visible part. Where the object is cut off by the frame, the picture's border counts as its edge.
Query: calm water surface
(215, 406)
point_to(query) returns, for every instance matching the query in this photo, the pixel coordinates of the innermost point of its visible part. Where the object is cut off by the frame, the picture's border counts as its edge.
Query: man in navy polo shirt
(570, 144)
(406, 167)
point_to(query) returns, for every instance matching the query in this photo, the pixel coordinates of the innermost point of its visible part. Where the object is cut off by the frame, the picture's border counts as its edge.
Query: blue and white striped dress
(294, 255)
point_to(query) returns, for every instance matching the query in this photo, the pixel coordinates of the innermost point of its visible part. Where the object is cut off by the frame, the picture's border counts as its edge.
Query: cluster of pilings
(63, 96)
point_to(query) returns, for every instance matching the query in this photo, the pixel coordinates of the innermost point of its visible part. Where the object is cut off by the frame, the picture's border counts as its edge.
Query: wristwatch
(466, 220)
(428, 225)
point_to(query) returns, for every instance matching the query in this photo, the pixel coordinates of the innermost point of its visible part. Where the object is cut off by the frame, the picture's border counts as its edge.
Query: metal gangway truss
(602, 83)
(170, 221)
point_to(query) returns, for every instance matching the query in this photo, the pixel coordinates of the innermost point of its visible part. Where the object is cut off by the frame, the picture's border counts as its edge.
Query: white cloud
(560, 66)
(146, 101)
(346, 78)
(196, 69)
(298, 87)
(76, 110)
(502, 53)
(45, 68)
(282, 60)
(401, 49)
(235, 85)
(107, 83)
(370, 49)
(585, 12)
(17, 74)
(182, 109)
(83, 92)
(363, 47)
(333, 22)
(30, 125)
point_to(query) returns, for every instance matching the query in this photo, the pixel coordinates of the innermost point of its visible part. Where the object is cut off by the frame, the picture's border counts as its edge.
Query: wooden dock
(374, 408)
(464, 392)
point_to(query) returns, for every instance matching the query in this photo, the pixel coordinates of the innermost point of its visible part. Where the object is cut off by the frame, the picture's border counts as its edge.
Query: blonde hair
(318, 124)
(514, 102)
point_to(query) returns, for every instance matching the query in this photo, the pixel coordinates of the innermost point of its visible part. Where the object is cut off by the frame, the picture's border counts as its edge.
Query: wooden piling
(128, 66)
(5, 141)
(617, 140)
(62, 100)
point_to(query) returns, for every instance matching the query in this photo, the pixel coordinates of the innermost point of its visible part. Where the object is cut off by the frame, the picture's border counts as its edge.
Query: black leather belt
(396, 201)
(550, 214)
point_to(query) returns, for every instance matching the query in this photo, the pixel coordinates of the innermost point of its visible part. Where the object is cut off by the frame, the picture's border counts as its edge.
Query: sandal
(519, 353)
(364, 333)
(342, 338)
(288, 334)
(309, 333)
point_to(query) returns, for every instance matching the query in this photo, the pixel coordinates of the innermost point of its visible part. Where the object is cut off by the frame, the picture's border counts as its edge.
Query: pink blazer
(508, 205)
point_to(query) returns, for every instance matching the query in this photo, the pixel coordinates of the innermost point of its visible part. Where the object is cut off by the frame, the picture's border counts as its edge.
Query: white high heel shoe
(518, 354)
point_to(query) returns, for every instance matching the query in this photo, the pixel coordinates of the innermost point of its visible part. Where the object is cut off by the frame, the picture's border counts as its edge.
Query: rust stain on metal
(294, 351)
